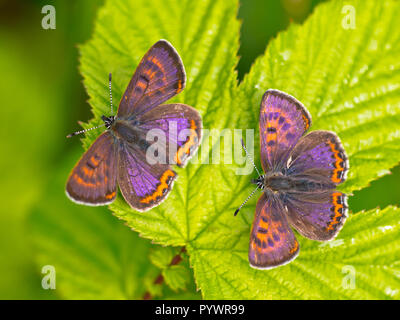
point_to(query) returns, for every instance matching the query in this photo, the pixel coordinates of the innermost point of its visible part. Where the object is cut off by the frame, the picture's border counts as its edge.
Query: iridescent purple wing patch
(142, 184)
(272, 242)
(159, 76)
(283, 120)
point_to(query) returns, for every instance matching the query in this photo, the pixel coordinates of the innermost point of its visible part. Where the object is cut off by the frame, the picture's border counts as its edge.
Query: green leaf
(95, 256)
(347, 78)
(368, 245)
(176, 277)
(161, 257)
(174, 266)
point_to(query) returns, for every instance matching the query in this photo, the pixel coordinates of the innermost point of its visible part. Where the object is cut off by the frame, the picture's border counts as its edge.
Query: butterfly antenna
(249, 157)
(251, 194)
(82, 131)
(109, 85)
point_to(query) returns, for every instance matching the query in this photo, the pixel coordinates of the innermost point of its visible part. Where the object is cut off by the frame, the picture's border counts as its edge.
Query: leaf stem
(160, 279)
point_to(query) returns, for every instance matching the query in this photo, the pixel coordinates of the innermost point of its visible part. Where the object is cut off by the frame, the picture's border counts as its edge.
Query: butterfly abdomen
(309, 185)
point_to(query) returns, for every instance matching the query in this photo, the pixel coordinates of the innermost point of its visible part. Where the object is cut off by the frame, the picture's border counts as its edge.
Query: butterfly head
(259, 182)
(108, 121)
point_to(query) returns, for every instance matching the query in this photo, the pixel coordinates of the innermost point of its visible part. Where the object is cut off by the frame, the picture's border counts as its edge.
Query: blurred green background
(43, 98)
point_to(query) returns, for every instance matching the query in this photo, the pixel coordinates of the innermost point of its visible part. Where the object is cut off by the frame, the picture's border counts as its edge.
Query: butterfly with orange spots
(120, 155)
(299, 183)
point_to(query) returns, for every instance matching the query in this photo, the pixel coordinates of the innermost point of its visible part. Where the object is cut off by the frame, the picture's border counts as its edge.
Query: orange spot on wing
(271, 137)
(274, 123)
(338, 160)
(161, 187)
(141, 84)
(338, 214)
(263, 236)
(306, 121)
(111, 195)
(94, 161)
(294, 249)
(88, 171)
(179, 89)
(263, 224)
(82, 182)
(185, 148)
(157, 63)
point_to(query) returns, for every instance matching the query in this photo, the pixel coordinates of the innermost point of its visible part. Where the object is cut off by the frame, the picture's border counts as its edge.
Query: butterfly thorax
(279, 182)
(275, 182)
(128, 131)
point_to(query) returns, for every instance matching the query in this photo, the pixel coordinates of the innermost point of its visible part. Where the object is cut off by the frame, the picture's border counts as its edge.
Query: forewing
(319, 154)
(283, 120)
(181, 127)
(272, 242)
(317, 216)
(93, 179)
(159, 76)
(143, 185)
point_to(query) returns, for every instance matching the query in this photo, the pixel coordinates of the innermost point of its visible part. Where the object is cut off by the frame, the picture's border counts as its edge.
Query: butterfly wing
(319, 154)
(181, 127)
(142, 185)
(159, 76)
(283, 120)
(318, 158)
(272, 242)
(93, 179)
(317, 216)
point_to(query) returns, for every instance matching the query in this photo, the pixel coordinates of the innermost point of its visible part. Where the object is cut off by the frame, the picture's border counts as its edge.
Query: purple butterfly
(119, 155)
(302, 172)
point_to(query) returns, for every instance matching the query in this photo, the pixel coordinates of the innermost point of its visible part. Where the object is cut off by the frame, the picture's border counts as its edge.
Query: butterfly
(120, 154)
(302, 172)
